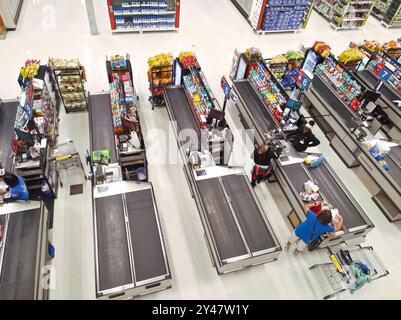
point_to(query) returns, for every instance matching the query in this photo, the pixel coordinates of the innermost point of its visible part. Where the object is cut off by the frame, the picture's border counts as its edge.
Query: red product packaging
(355, 104)
(316, 209)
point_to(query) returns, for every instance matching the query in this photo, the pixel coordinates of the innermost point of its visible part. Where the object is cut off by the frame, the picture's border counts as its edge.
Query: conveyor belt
(393, 159)
(331, 190)
(145, 237)
(255, 106)
(182, 113)
(19, 265)
(8, 112)
(225, 232)
(101, 125)
(113, 254)
(334, 102)
(248, 213)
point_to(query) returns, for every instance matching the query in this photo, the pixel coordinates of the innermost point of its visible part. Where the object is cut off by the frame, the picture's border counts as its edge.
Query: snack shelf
(345, 14)
(388, 12)
(139, 16)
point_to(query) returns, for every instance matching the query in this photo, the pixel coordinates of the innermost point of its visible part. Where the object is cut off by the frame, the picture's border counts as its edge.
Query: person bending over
(16, 186)
(313, 227)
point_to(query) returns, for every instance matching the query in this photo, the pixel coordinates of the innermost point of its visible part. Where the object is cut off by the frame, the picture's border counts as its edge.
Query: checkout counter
(389, 94)
(237, 232)
(291, 173)
(348, 133)
(130, 253)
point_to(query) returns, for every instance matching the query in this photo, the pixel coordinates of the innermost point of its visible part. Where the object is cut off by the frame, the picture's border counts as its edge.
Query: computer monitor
(371, 96)
(293, 105)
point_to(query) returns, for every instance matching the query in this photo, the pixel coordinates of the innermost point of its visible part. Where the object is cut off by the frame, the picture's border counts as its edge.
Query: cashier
(304, 138)
(262, 157)
(15, 187)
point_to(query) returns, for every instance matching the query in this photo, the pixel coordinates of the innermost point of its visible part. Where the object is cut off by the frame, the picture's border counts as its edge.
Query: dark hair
(312, 123)
(11, 180)
(325, 217)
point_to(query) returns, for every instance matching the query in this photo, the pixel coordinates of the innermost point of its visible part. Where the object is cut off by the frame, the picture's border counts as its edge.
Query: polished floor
(213, 29)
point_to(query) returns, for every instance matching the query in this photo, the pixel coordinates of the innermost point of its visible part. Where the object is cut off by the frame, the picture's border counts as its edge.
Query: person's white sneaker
(287, 245)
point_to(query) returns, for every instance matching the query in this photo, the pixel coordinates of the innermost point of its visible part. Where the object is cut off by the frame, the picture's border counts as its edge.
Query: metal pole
(91, 17)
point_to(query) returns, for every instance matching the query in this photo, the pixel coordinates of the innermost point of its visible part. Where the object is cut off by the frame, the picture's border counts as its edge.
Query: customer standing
(314, 226)
(262, 157)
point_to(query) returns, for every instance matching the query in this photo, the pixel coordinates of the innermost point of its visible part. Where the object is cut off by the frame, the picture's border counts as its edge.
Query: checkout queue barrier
(292, 176)
(339, 124)
(237, 232)
(130, 254)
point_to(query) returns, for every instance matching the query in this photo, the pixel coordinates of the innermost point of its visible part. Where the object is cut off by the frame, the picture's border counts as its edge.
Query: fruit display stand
(140, 16)
(70, 77)
(351, 59)
(267, 16)
(160, 74)
(388, 12)
(345, 14)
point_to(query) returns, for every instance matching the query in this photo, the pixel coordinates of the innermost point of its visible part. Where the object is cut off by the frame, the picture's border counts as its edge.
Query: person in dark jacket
(303, 138)
(262, 157)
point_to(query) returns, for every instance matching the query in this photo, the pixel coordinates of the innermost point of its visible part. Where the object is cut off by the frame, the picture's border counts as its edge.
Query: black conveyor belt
(372, 80)
(101, 125)
(113, 254)
(334, 102)
(147, 244)
(332, 192)
(182, 113)
(8, 112)
(255, 106)
(393, 159)
(248, 214)
(19, 265)
(225, 232)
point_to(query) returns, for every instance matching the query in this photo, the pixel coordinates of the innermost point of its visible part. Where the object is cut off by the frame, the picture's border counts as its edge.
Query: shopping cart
(64, 157)
(339, 275)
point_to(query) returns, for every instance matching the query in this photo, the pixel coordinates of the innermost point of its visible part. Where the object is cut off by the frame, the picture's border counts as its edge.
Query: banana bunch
(350, 55)
(30, 69)
(185, 54)
(161, 60)
(279, 59)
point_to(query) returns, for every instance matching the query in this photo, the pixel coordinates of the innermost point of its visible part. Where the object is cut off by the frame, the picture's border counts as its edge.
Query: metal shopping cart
(64, 157)
(340, 274)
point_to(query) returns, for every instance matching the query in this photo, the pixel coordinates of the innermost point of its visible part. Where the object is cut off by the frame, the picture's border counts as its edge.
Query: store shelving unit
(140, 16)
(345, 14)
(70, 77)
(158, 78)
(388, 12)
(268, 16)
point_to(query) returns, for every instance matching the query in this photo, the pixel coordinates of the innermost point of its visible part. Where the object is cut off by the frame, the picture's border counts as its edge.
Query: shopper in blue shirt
(313, 228)
(16, 187)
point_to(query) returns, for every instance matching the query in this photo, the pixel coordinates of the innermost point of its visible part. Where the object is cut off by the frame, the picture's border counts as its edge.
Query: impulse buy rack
(237, 232)
(261, 103)
(341, 106)
(130, 254)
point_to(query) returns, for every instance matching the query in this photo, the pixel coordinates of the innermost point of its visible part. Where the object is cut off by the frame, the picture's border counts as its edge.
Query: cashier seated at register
(15, 187)
(303, 138)
(262, 157)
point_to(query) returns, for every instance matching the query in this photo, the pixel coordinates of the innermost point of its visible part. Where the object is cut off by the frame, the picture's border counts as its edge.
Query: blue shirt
(305, 229)
(20, 191)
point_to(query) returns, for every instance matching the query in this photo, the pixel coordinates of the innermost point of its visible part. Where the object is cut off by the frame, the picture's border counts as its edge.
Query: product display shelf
(198, 95)
(345, 14)
(339, 80)
(388, 12)
(140, 16)
(159, 77)
(272, 93)
(382, 60)
(70, 76)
